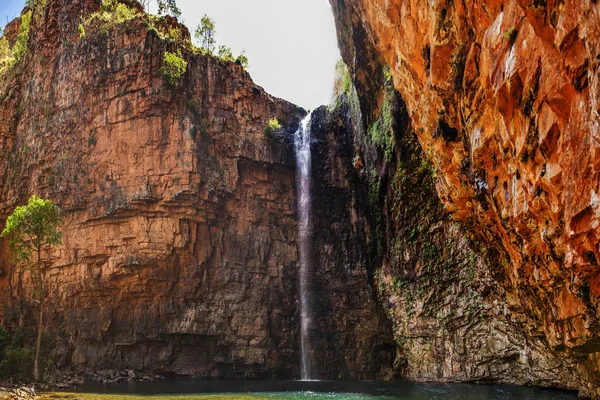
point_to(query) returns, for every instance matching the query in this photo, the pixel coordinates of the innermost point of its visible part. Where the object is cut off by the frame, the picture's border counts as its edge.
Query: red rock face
(168, 194)
(504, 99)
(179, 235)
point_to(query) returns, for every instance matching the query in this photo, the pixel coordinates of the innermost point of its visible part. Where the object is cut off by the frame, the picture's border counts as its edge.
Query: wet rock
(519, 81)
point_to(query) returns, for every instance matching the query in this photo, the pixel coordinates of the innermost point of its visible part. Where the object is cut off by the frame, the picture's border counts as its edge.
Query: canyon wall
(179, 234)
(502, 97)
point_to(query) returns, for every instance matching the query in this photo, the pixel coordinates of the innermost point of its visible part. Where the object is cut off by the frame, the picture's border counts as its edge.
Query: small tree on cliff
(206, 34)
(164, 7)
(168, 7)
(31, 230)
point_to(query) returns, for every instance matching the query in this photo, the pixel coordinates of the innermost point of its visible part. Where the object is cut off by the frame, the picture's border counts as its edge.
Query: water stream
(303, 162)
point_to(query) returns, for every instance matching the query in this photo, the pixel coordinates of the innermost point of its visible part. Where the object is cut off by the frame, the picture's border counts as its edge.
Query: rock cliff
(179, 248)
(503, 100)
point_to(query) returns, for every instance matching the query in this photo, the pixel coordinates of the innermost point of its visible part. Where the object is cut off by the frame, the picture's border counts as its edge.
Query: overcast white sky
(291, 44)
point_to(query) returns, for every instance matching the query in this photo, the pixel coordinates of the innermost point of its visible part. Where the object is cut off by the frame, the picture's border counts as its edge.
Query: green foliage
(225, 54)
(168, 7)
(174, 34)
(343, 80)
(206, 34)
(382, 130)
(6, 55)
(511, 34)
(173, 68)
(9, 57)
(31, 228)
(242, 60)
(166, 32)
(272, 126)
(81, 31)
(35, 3)
(112, 13)
(206, 37)
(16, 354)
(124, 13)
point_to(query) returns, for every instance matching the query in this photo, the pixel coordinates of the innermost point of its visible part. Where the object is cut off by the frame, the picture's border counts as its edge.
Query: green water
(324, 390)
(226, 396)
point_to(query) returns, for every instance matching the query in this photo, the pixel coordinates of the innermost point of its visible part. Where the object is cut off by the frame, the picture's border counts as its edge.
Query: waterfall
(303, 163)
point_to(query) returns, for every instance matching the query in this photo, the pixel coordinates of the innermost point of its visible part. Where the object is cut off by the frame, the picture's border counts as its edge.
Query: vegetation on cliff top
(115, 12)
(206, 35)
(11, 56)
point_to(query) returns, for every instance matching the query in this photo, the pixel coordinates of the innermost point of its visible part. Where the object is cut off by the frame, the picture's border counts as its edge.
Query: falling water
(303, 162)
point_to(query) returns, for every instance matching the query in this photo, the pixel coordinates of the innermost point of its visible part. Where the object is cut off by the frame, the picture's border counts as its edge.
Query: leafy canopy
(206, 34)
(206, 37)
(168, 7)
(174, 67)
(272, 126)
(8, 56)
(32, 227)
(225, 54)
(242, 59)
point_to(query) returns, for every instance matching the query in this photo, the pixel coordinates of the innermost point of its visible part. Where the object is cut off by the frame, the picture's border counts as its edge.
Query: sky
(291, 44)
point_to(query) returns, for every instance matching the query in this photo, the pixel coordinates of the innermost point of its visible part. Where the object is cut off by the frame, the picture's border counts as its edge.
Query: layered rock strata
(179, 235)
(503, 98)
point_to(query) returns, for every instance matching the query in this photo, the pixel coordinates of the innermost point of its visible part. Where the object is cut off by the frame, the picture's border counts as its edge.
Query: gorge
(451, 188)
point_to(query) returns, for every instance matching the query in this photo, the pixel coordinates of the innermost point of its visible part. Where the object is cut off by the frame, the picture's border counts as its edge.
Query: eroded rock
(516, 83)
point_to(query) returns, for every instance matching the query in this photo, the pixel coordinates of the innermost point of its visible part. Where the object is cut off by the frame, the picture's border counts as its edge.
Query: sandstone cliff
(179, 249)
(503, 99)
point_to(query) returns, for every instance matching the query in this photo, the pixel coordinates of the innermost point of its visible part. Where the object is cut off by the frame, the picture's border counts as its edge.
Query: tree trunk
(38, 343)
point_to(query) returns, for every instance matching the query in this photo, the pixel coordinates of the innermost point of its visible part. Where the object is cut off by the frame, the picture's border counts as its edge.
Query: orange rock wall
(171, 252)
(504, 99)
(179, 235)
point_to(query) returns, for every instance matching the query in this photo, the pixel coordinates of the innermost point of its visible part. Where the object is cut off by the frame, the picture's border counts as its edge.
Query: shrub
(225, 54)
(124, 13)
(242, 60)
(174, 66)
(16, 354)
(20, 47)
(6, 56)
(343, 80)
(113, 12)
(174, 34)
(511, 35)
(272, 126)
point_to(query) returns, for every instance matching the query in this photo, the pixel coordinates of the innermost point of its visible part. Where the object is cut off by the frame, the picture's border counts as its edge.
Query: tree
(225, 54)
(164, 7)
(168, 7)
(242, 59)
(206, 34)
(31, 230)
